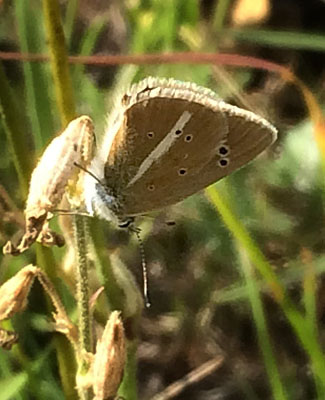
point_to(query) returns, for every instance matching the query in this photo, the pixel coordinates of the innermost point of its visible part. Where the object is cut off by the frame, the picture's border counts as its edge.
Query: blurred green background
(207, 302)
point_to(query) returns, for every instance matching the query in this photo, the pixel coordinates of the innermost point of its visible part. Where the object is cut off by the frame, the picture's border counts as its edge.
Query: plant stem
(65, 101)
(85, 337)
(128, 388)
(82, 284)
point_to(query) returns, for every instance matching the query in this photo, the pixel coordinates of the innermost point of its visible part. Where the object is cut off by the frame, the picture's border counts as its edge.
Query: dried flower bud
(57, 165)
(14, 292)
(55, 170)
(7, 339)
(109, 360)
(66, 327)
(48, 237)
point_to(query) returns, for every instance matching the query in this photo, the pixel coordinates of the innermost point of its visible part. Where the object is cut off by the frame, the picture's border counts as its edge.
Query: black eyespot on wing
(188, 138)
(223, 162)
(223, 150)
(170, 223)
(150, 135)
(182, 171)
(151, 187)
(178, 132)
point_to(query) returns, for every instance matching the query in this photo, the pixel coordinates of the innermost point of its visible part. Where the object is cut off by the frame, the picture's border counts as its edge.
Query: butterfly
(165, 141)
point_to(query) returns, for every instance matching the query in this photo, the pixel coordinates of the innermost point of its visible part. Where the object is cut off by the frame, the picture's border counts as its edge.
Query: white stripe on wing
(162, 147)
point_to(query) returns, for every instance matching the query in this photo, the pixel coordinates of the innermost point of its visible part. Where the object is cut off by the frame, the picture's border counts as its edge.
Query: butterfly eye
(188, 138)
(178, 132)
(151, 188)
(150, 135)
(223, 150)
(223, 162)
(182, 171)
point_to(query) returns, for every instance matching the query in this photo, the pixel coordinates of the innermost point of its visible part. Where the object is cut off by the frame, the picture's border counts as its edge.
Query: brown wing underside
(245, 140)
(192, 161)
(145, 125)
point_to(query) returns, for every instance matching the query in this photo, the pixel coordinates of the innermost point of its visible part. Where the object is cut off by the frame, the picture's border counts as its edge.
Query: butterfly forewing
(157, 132)
(244, 144)
(194, 145)
(174, 140)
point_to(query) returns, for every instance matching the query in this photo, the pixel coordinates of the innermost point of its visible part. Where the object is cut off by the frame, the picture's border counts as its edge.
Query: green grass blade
(14, 128)
(87, 45)
(220, 13)
(10, 387)
(59, 61)
(281, 39)
(296, 319)
(264, 339)
(70, 17)
(31, 37)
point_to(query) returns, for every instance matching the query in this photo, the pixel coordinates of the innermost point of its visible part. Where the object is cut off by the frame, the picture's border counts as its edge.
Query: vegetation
(236, 283)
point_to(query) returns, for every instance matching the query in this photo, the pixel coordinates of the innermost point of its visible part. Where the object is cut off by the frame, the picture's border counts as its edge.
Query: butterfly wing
(164, 151)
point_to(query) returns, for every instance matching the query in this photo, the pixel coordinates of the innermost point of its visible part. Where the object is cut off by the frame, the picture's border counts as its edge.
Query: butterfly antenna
(144, 267)
(88, 172)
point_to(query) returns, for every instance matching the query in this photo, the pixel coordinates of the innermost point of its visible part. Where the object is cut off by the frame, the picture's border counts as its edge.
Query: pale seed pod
(7, 339)
(53, 173)
(57, 165)
(109, 360)
(14, 292)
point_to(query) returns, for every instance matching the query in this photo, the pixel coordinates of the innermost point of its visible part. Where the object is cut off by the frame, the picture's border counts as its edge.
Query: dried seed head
(47, 237)
(109, 360)
(54, 172)
(7, 339)
(57, 166)
(14, 292)
(66, 327)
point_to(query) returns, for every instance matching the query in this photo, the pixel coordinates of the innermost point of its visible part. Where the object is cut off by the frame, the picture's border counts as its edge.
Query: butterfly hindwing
(243, 141)
(173, 140)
